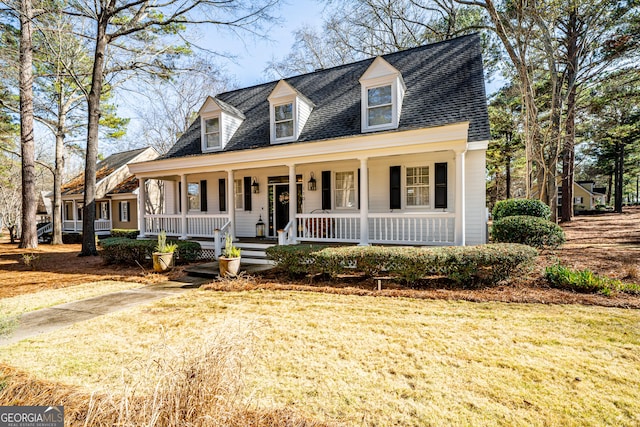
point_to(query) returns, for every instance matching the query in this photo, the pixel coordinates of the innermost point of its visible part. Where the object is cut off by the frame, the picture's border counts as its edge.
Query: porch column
(460, 198)
(142, 206)
(231, 203)
(184, 203)
(293, 203)
(364, 203)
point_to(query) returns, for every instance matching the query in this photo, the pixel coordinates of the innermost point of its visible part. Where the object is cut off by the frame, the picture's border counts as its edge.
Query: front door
(281, 206)
(279, 200)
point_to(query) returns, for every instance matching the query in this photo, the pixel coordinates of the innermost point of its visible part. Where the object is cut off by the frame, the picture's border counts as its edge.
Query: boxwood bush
(513, 207)
(462, 264)
(122, 250)
(123, 232)
(528, 230)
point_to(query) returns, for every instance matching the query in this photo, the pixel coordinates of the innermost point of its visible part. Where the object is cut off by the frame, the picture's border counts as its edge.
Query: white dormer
(218, 122)
(382, 92)
(288, 112)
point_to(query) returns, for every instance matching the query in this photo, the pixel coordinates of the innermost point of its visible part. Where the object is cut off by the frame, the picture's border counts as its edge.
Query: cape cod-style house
(388, 150)
(116, 194)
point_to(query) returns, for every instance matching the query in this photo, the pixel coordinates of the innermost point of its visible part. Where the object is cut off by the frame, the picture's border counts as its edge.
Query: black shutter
(222, 194)
(180, 197)
(358, 188)
(326, 190)
(120, 211)
(203, 195)
(247, 193)
(441, 186)
(395, 187)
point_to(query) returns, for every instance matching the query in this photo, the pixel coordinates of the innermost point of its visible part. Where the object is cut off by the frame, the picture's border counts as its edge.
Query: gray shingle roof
(445, 85)
(103, 169)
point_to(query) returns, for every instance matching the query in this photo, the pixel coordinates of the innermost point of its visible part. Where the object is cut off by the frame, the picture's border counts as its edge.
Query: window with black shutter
(395, 199)
(203, 195)
(247, 193)
(222, 194)
(441, 186)
(326, 190)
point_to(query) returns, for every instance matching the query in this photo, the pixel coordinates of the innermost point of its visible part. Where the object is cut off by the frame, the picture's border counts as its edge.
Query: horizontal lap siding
(476, 198)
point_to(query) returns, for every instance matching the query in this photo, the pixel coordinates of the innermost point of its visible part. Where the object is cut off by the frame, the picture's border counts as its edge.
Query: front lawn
(381, 361)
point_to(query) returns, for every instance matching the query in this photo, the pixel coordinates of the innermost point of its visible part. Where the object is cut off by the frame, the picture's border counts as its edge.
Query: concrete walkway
(50, 319)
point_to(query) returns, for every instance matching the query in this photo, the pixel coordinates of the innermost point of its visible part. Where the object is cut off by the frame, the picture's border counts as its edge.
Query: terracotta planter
(229, 267)
(162, 261)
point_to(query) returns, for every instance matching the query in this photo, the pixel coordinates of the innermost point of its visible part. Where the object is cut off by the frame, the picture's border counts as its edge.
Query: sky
(253, 56)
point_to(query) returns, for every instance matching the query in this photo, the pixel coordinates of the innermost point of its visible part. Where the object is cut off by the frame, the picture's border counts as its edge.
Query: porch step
(254, 253)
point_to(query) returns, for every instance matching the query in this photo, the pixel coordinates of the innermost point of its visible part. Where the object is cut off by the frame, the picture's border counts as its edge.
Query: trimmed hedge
(528, 230)
(124, 232)
(122, 250)
(462, 264)
(513, 207)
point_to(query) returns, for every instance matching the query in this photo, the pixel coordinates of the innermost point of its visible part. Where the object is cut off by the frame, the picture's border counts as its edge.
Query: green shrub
(295, 260)
(121, 250)
(563, 277)
(528, 230)
(513, 207)
(123, 232)
(461, 264)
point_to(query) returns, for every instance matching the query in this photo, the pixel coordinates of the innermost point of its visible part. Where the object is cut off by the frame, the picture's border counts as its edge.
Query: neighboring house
(389, 150)
(586, 196)
(116, 194)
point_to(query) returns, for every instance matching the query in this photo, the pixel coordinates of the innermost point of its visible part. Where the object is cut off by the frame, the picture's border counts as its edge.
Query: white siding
(304, 111)
(475, 184)
(171, 197)
(230, 125)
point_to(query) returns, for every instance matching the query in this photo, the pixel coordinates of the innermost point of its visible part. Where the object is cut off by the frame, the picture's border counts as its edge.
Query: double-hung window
(345, 190)
(283, 120)
(379, 106)
(238, 194)
(193, 196)
(212, 133)
(417, 186)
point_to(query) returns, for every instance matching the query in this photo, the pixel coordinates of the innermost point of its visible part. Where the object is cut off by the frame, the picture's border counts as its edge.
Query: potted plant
(163, 255)
(229, 262)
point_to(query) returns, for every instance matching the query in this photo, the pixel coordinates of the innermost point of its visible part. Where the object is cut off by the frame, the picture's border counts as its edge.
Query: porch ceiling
(443, 138)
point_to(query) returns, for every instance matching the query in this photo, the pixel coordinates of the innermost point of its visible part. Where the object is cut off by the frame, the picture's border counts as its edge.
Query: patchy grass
(48, 298)
(367, 360)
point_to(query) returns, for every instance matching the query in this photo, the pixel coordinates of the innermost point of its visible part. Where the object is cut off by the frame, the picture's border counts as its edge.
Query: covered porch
(362, 191)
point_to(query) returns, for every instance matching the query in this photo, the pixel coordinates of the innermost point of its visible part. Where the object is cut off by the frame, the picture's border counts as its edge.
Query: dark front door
(281, 206)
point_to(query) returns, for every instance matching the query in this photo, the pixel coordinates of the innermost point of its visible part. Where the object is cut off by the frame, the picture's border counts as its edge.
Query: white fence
(424, 229)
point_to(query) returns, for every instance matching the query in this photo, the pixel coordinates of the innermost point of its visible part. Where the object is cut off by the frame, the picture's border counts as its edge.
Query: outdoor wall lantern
(312, 183)
(255, 186)
(260, 227)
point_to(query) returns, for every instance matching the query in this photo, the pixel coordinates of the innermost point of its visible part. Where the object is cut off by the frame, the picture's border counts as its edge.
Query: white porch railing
(154, 224)
(285, 236)
(98, 225)
(219, 236)
(423, 229)
(197, 225)
(324, 227)
(203, 225)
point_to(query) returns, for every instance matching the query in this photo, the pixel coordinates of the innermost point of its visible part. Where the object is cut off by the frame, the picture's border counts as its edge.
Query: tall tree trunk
(57, 183)
(619, 174)
(508, 176)
(29, 237)
(93, 106)
(568, 154)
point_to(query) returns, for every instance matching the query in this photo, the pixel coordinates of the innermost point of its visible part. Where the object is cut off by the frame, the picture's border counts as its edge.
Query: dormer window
(382, 94)
(218, 122)
(283, 120)
(289, 111)
(212, 133)
(379, 106)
